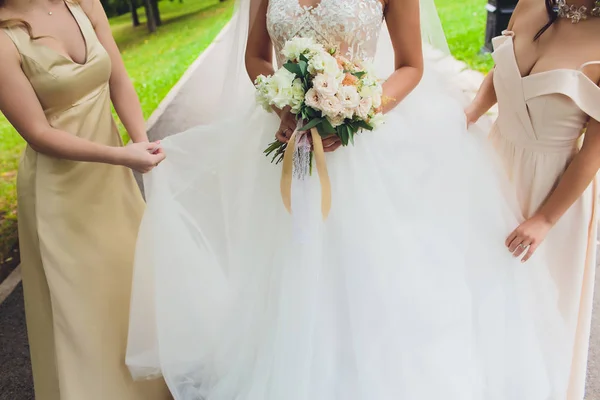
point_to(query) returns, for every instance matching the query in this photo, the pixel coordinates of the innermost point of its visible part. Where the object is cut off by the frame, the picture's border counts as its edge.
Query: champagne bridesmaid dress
(538, 131)
(77, 229)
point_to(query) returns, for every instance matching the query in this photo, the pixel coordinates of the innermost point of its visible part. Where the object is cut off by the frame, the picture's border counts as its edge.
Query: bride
(405, 292)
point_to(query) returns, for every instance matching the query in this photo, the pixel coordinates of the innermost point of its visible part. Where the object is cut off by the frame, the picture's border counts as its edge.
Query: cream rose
(331, 106)
(313, 99)
(350, 99)
(365, 105)
(326, 85)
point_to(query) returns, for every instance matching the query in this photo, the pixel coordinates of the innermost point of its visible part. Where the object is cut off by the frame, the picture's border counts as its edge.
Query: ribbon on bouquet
(288, 171)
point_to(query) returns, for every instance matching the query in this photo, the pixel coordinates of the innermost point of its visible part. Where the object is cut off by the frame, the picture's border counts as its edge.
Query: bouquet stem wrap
(296, 164)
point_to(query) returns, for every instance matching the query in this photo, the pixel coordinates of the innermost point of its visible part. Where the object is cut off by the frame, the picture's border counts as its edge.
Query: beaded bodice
(350, 26)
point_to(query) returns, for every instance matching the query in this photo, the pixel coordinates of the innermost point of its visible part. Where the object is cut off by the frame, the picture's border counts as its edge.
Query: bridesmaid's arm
(486, 96)
(484, 100)
(403, 22)
(576, 179)
(20, 105)
(122, 92)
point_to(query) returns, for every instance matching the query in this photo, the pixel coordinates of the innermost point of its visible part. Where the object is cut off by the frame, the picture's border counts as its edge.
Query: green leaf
(272, 147)
(312, 113)
(327, 127)
(303, 67)
(344, 138)
(321, 130)
(303, 58)
(359, 74)
(293, 68)
(311, 124)
(364, 125)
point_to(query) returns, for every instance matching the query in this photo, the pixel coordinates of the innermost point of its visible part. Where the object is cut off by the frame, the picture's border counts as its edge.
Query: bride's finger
(281, 137)
(332, 147)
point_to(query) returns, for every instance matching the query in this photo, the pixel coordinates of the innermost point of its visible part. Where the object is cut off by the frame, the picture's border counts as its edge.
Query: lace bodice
(350, 26)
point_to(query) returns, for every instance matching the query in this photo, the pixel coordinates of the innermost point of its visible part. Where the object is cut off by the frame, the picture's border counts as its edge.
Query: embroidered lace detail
(350, 26)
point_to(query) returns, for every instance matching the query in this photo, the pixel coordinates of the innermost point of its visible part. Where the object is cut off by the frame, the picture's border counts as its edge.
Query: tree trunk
(135, 19)
(156, 12)
(150, 16)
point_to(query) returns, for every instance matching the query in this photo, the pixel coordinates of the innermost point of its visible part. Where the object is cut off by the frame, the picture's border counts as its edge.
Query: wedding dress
(405, 292)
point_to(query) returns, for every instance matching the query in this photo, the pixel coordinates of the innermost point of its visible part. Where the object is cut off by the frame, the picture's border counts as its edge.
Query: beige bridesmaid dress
(538, 131)
(77, 229)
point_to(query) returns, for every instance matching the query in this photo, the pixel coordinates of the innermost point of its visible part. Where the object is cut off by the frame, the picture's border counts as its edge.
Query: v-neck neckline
(64, 56)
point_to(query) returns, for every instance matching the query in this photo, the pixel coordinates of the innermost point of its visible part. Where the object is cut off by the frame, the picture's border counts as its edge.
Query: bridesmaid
(545, 83)
(79, 206)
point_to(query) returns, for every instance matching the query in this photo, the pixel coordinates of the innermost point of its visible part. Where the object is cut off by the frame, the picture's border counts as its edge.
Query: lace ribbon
(295, 164)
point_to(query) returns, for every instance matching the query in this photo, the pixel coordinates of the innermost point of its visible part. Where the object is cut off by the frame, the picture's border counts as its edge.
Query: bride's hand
(331, 143)
(528, 236)
(287, 126)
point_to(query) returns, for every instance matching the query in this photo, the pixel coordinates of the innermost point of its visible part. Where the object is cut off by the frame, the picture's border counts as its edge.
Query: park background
(158, 51)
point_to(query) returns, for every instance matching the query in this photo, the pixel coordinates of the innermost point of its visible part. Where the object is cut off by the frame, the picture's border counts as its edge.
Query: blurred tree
(135, 19)
(150, 17)
(156, 12)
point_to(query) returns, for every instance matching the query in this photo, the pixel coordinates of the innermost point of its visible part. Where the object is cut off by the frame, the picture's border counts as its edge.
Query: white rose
(296, 46)
(326, 85)
(323, 62)
(377, 120)
(331, 106)
(349, 98)
(280, 88)
(364, 108)
(262, 93)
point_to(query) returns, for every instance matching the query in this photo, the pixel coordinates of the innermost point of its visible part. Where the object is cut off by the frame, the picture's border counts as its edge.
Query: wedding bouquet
(327, 93)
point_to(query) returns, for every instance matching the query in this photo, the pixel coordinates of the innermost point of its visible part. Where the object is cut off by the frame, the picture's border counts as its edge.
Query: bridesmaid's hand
(528, 236)
(141, 157)
(471, 115)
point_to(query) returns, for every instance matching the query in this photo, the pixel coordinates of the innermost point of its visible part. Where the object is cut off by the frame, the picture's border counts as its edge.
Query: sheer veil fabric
(405, 292)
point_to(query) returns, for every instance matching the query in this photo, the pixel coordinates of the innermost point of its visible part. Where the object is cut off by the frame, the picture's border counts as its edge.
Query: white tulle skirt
(406, 291)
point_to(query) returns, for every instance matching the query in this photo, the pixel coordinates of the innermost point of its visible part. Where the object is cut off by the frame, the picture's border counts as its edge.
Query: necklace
(574, 13)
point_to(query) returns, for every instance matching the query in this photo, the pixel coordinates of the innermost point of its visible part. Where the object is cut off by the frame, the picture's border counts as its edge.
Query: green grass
(464, 23)
(155, 63)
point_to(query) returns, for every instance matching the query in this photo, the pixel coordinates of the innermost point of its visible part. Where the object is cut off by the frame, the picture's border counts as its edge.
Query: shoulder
(93, 9)
(529, 16)
(8, 50)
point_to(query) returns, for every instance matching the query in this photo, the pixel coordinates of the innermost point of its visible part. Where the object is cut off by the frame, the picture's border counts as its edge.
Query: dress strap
(500, 40)
(587, 64)
(14, 36)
